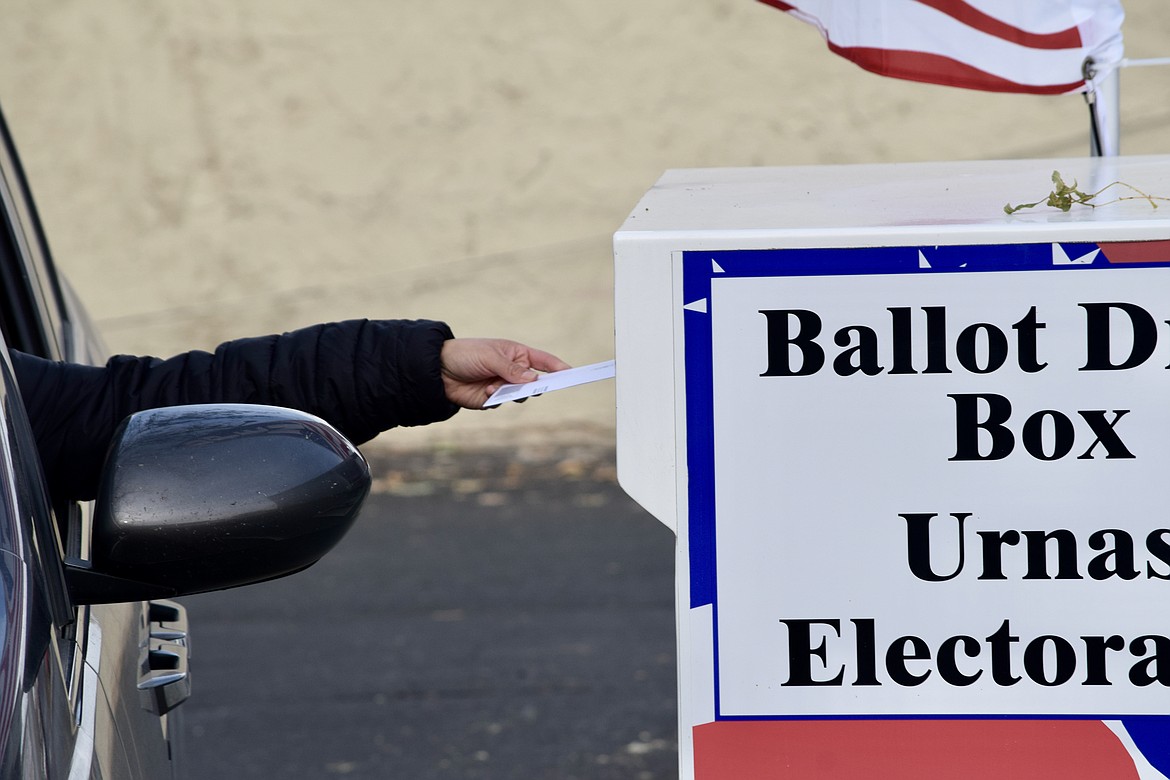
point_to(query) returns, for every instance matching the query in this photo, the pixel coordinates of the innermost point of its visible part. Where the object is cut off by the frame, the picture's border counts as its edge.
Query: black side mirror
(201, 498)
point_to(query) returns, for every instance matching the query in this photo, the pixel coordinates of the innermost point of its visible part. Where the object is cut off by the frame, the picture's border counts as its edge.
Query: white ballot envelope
(557, 380)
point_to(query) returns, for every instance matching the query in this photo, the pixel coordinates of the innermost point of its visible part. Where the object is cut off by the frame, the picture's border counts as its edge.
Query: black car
(93, 651)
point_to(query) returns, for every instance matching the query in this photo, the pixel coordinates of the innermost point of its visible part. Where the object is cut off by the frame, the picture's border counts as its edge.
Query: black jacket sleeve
(361, 376)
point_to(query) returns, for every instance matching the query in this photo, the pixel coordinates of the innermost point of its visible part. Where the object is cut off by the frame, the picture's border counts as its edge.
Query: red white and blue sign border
(1151, 734)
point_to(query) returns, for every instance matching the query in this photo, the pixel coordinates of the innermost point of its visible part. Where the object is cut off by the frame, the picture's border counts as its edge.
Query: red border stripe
(937, 69)
(967, 14)
(973, 17)
(910, 750)
(1136, 251)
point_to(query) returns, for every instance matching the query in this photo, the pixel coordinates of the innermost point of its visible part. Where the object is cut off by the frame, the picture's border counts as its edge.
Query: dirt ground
(216, 169)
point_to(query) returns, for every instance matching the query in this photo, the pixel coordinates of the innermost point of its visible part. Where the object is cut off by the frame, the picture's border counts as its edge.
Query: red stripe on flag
(778, 4)
(910, 750)
(973, 17)
(937, 69)
(1136, 251)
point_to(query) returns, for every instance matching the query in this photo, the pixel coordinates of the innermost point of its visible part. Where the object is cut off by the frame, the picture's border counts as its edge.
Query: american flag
(1028, 46)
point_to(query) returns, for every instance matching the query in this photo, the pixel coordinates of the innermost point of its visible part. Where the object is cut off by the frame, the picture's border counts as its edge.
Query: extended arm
(361, 376)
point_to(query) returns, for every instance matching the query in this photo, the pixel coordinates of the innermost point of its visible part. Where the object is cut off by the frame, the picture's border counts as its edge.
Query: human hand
(473, 369)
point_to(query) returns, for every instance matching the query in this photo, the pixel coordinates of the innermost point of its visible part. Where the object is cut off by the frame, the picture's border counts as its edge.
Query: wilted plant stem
(1065, 196)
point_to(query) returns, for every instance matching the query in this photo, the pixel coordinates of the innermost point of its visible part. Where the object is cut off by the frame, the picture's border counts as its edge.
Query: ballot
(556, 380)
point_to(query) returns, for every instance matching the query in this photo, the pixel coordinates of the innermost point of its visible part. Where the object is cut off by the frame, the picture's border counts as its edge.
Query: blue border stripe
(700, 434)
(904, 260)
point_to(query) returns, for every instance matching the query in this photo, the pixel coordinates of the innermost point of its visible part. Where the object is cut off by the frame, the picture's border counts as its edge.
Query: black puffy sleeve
(361, 376)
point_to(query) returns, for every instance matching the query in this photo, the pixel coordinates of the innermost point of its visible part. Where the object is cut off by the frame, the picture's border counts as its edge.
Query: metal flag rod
(1104, 100)
(1144, 63)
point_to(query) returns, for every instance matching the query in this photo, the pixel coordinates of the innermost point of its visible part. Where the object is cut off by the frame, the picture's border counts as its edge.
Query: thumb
(518, 373)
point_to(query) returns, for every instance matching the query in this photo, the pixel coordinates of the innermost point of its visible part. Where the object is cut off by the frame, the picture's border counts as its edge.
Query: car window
(33, 318)
(20, 329)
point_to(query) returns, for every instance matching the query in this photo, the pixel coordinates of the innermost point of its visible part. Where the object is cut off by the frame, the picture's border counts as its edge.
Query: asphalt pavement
(485, 618)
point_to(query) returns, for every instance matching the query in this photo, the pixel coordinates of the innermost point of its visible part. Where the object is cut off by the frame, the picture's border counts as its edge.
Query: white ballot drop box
(916, 451)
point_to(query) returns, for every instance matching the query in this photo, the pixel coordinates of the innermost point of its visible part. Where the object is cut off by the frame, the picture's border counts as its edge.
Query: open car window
(33, 311)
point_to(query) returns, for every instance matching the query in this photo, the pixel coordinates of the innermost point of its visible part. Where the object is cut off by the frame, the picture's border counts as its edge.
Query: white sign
(933, 498)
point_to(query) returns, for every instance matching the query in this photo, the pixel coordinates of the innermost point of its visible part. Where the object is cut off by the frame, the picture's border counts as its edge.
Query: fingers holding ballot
(547, 383)
(474, 369)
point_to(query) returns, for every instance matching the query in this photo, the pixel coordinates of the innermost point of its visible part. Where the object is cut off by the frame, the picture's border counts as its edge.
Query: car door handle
(164, 681)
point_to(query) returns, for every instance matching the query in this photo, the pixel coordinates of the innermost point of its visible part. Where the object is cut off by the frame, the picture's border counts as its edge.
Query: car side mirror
(202, 498)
